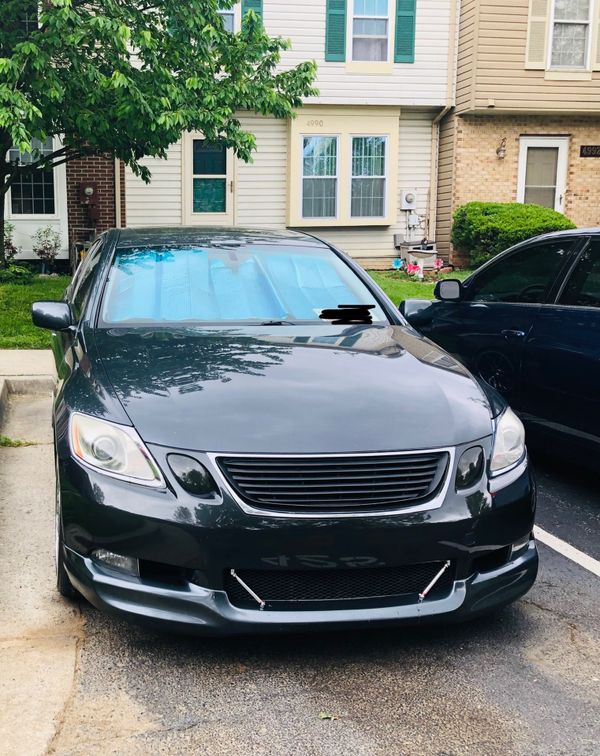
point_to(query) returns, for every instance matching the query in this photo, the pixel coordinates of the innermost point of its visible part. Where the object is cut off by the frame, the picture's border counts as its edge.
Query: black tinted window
(84, 277)
(526, 276)
(583, 287)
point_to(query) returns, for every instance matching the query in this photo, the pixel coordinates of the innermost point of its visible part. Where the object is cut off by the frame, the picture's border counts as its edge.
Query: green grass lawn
(18, 332)
(16, 329)
(398, 286)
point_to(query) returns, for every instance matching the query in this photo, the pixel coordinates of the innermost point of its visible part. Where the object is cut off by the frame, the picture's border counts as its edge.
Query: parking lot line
(564, 548)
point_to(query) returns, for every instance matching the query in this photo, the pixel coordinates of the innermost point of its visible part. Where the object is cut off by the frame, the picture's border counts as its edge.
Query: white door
(543, 171)
(208, 176)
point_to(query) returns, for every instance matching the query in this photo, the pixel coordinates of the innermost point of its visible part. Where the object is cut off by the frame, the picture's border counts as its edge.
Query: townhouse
(357, 165)
(525, 126)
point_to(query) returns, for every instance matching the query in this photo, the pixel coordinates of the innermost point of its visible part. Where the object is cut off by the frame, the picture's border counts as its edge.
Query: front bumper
(173, 530)
(195, 610)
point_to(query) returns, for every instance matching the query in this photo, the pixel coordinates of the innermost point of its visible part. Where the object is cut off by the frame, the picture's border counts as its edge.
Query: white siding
(414, 165)
(423, 82)
(159, 203)
(261, 186)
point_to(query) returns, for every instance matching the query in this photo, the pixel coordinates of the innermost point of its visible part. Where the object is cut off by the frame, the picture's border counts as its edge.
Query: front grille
(348, 584)
(336, 484)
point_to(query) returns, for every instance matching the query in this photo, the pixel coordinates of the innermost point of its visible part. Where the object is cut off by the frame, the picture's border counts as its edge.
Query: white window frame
(317, 219)
(350, 36)
(589, 42)
(58, 180)
(562, 144)
(385, 177)
(236, 12)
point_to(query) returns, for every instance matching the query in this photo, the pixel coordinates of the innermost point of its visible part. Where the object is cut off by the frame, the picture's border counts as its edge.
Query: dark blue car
(528, 323)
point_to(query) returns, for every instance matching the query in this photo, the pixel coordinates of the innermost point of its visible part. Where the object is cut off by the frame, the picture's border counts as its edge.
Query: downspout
(435, 125)
(117, 193)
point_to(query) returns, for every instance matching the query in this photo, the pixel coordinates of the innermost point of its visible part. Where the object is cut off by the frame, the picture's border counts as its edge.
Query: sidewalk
(25, 371)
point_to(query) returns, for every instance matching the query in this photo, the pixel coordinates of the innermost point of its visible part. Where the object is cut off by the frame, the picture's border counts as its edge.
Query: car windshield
(250, 284)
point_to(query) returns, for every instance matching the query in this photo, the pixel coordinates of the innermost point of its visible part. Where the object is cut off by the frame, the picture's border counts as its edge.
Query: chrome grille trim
(434, 503)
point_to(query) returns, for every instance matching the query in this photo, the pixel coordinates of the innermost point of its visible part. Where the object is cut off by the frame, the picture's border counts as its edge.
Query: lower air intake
(292, 587)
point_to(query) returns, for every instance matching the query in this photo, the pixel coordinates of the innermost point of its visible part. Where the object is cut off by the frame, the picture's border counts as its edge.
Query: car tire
(63, 583)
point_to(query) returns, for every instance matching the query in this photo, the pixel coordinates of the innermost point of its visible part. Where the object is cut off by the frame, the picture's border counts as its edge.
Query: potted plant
(46, 245)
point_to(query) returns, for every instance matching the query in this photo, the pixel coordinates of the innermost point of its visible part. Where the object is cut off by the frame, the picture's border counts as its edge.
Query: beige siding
(157, 203)
(445, 184)
(261, 186)
(414, 165)
(422, 83)
(497, 55)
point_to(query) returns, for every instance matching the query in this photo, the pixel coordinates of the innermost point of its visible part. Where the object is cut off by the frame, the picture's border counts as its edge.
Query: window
(228, 17)
(368, 177)
(524, 277)
(583, 287)
(370, 30)
(543, 171)
(319, 176)
(33, 192)
(29, 17)
(82, 282)
(571, 26)
(251, 284)
(209, 177)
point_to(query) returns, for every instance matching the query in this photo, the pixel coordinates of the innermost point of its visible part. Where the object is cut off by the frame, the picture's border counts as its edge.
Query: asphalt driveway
(523, 681)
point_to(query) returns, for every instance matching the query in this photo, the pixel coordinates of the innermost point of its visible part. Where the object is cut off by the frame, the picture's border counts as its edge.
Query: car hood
(292, 389)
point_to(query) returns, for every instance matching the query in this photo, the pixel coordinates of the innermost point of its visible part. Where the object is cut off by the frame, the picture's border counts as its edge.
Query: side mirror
(56, 316)
(448, 290)
(411, 307)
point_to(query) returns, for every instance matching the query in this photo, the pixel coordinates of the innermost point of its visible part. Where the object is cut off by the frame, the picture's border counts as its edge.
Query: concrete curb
(21, 385)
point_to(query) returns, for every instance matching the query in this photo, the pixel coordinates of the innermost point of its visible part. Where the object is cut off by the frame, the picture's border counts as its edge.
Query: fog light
(519, 546)
(128, 565)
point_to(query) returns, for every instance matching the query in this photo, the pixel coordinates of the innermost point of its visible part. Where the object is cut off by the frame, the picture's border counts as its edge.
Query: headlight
(115, 449)
(509, 442)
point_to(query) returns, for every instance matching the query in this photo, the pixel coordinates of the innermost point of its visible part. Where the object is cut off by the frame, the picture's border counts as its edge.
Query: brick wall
(479, 174)
(101, 170)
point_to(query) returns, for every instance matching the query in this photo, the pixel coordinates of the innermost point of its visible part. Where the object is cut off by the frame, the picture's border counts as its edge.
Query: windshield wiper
(277, 323)
(349, 313)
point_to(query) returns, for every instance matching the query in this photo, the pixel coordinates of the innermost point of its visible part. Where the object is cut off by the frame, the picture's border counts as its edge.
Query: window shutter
(254, 5)
(537, 34)
(404, 38)
(596, 39)
(335, 32)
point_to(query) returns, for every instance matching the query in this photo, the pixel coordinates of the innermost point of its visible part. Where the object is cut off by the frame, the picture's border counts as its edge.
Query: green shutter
(335, 34)
(254, 5)
(404, 42)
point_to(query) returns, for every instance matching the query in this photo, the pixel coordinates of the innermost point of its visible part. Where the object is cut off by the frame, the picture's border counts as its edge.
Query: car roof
(209, 236)
(568, 232)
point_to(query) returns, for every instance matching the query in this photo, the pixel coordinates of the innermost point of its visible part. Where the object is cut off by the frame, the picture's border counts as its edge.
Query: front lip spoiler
(197, 610)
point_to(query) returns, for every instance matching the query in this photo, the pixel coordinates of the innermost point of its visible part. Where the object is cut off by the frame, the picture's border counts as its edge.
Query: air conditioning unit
(408, 199)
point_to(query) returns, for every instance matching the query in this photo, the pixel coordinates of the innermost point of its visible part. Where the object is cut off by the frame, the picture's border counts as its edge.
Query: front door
(561, 358)
(208, 178)
(543, 171)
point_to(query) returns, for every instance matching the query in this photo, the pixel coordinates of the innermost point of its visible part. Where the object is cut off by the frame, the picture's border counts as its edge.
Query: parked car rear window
(236, 284)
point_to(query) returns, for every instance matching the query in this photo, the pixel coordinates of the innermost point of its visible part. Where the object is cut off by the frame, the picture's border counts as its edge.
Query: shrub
(46, 244)
(482, 230)
(10, 248)
(16, 274)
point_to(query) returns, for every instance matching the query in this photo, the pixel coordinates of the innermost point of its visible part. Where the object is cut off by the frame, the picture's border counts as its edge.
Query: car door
(561, 356)
(488, 327)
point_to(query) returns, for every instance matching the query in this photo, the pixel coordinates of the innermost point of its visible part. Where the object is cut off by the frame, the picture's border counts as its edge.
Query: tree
(126, 77)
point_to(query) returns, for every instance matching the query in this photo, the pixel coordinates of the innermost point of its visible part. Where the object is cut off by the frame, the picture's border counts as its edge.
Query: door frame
(190, 218)
(562, 143)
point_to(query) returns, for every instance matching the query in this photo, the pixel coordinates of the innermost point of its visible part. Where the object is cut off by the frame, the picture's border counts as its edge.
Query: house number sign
(589, 150)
